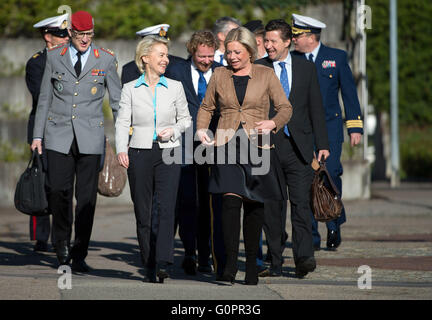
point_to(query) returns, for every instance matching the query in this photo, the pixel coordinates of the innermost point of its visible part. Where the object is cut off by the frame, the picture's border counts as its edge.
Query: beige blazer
(136, 110)
(262, 87)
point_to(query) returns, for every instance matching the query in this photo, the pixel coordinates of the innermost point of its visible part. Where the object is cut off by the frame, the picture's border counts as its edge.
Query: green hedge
(122, 18)
(416, 152)
(414, 58)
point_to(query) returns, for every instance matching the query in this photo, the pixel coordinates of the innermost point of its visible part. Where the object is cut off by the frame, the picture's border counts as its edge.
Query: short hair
(317, 36)
(221, 24)
(202, 37)
(260, 32)
(282, 26)
(144, 48)
(246, 38)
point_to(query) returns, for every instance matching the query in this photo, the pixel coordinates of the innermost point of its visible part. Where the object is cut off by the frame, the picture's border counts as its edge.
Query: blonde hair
(246, 38)
(144, 48)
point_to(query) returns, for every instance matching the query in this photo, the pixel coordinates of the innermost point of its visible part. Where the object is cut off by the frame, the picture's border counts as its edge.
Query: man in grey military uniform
(70, 120)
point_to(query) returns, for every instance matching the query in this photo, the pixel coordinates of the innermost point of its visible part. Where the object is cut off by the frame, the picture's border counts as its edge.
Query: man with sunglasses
(70, 120)
(54, 32)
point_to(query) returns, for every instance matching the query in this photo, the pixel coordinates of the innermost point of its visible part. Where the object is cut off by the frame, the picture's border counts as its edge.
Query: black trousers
(148, 176)
(193, 211)
(63, 171)
(253, 219)
(298, 177)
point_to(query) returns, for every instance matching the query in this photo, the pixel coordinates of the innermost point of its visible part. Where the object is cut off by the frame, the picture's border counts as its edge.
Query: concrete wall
(14, 54)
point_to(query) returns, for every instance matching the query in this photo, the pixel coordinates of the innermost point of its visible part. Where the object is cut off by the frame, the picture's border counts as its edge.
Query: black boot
(231, 206)
(253, 221)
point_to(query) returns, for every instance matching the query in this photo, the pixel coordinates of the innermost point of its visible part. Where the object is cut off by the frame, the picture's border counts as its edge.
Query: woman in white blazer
(152, 116)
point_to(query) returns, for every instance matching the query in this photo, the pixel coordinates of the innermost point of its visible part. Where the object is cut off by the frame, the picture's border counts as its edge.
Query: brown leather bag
(112, 177)
(325, 198)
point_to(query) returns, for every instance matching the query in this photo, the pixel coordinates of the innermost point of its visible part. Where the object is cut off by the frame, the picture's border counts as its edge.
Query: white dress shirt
(288, 66)
(74, 58)
(314, 52)
(195, 76)
(217, 57)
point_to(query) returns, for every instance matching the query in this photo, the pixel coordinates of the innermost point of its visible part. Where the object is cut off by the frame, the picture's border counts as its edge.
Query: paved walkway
(390, 233)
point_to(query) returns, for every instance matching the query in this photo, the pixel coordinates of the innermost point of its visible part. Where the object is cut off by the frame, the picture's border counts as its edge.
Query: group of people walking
(230, 127)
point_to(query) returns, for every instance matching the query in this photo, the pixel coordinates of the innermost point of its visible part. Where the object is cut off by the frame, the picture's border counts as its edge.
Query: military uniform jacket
(334, 73)
(34, 72)
(69, 105)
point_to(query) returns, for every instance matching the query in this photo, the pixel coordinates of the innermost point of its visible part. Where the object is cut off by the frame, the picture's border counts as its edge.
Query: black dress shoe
(226, 278)
(304, 266)
(62, 251)
(205, 268)
(189, 265)
(333, 240)
(263, 271)
(275, 272)
(162, 271)
(252, 282)
(80, 266)
(150, 274)
(41, 246)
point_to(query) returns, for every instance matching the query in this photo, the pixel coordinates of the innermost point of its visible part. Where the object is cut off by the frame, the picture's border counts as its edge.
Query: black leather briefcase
(30, 194)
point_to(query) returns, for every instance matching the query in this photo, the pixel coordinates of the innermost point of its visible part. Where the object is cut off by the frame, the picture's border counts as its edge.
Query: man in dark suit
(334, 74)
(295, 149)
(195, 221)
(130, 70)
(54, 32)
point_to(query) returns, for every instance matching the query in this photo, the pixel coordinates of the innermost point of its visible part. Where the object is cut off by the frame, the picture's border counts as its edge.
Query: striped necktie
(285, 85)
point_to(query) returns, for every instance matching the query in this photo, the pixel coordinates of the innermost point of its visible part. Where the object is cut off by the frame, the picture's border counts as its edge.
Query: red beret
(81, 21)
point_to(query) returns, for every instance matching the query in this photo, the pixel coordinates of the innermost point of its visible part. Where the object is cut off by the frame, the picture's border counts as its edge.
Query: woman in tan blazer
(156, 109)
(247, 172)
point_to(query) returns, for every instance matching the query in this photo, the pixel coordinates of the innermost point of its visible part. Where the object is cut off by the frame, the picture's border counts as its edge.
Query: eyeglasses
(81, 35)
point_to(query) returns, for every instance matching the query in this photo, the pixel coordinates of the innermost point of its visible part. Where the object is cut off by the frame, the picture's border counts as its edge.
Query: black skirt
(249, 171)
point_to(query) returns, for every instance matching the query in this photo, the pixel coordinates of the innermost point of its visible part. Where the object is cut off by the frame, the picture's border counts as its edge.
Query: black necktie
(78, 64)
(311, 57)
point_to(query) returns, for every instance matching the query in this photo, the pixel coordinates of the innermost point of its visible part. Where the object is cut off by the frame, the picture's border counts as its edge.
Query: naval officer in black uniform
(54, 32)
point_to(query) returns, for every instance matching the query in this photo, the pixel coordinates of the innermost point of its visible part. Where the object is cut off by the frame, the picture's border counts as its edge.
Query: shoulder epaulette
(57, 46)
(63, 51)
(36, 55)
(108, 51)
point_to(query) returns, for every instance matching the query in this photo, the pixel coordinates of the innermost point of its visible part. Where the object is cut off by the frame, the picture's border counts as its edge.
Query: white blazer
(136, 110)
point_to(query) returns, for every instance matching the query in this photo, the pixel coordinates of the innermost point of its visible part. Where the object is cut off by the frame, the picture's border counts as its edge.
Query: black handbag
(30, 194)
(326, 201)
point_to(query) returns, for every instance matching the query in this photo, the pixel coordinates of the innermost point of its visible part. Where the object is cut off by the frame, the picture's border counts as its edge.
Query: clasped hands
(263, 127)
(164, 135)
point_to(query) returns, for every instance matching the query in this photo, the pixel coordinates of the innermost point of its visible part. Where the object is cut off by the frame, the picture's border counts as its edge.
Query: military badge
(94, 90)
(329, 64)
(162, 32)
(63, 51)
(96, 53)
(64, 24)
(98, 72)
(58, 85)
